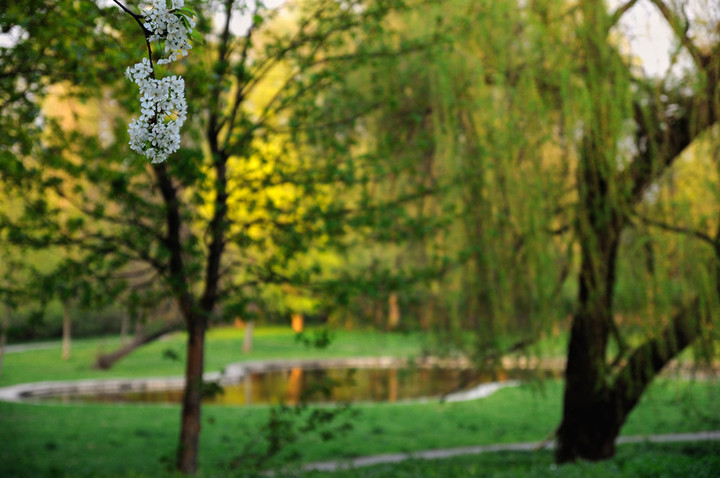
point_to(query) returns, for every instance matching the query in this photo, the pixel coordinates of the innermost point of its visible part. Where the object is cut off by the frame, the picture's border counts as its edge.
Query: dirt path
(475, 450)
(10, 349)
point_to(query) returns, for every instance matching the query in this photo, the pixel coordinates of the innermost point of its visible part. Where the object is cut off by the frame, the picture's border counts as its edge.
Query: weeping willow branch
(652, 356)
(680, 29)
(713, 242)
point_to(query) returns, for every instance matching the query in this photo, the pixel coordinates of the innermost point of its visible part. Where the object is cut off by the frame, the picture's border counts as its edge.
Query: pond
(319, 385)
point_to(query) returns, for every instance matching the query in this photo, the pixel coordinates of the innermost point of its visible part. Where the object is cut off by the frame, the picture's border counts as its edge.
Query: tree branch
(217, 234)
(620, 11)
(680, 31)
(215, 125)
(240, 77)
(651, 357)
(146, 32)
(678, 229)
(178, 278)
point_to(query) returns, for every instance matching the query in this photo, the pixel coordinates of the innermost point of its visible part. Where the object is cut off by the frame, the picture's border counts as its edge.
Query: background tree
(33, 57)
(460, 176)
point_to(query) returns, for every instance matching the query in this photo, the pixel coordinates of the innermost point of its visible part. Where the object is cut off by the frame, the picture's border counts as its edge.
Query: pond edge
(233, 373)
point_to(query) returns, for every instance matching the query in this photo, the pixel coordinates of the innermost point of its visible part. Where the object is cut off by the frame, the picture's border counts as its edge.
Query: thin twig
(146, 32)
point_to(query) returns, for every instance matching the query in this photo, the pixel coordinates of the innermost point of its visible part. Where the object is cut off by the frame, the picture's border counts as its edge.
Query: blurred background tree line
(494, 172)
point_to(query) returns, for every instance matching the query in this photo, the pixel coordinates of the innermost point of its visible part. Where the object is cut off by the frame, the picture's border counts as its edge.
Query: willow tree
(560, 133)
(550, 142)
(499, 134)
(576, 139)
(460, 174)
(662, 120)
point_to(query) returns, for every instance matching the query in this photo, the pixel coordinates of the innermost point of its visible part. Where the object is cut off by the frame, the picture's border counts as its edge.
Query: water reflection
(327, 385)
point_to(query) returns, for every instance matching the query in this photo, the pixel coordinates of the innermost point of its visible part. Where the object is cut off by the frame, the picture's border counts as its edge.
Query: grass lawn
(224, 346)
(139, 440)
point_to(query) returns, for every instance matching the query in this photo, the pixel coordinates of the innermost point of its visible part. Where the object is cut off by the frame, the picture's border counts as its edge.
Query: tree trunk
(67, 330)
(192, 398)
(124, 327)
(297, 323)
(248, 337)
(195, 313)
(393, 311)
(598, 399)
(593, 416)
(590, 423)
(589, 427)
(106, 361)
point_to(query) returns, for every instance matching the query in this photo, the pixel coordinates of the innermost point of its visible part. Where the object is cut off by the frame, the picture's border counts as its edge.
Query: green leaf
(186, 12)
(197, 37)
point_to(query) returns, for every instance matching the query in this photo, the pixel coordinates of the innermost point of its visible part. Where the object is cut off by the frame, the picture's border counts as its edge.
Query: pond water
(324, 385)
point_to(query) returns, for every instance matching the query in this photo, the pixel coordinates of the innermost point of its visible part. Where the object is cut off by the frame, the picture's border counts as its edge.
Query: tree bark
(589, 428)
(248, 337)
(589, 423)
(196, 312)
(124, 327)
(393, 311)
(106, 361)
(650, 358)
(67, 330)
(593, 417)
(197, 318)
(187, 456)
(195, 315)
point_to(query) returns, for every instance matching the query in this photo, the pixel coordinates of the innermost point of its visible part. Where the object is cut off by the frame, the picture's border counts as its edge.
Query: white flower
(156, 134)
(163, 109)
(165, 25)
(140, 71)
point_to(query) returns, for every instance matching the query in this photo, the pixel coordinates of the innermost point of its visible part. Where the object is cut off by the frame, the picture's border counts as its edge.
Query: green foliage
(285, 426)
(211, 389)
(450, 206)
(171, 354)
(319, 338)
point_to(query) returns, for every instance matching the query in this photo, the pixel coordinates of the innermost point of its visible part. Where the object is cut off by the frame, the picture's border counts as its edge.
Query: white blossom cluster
(168, 27)
(156, 133)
